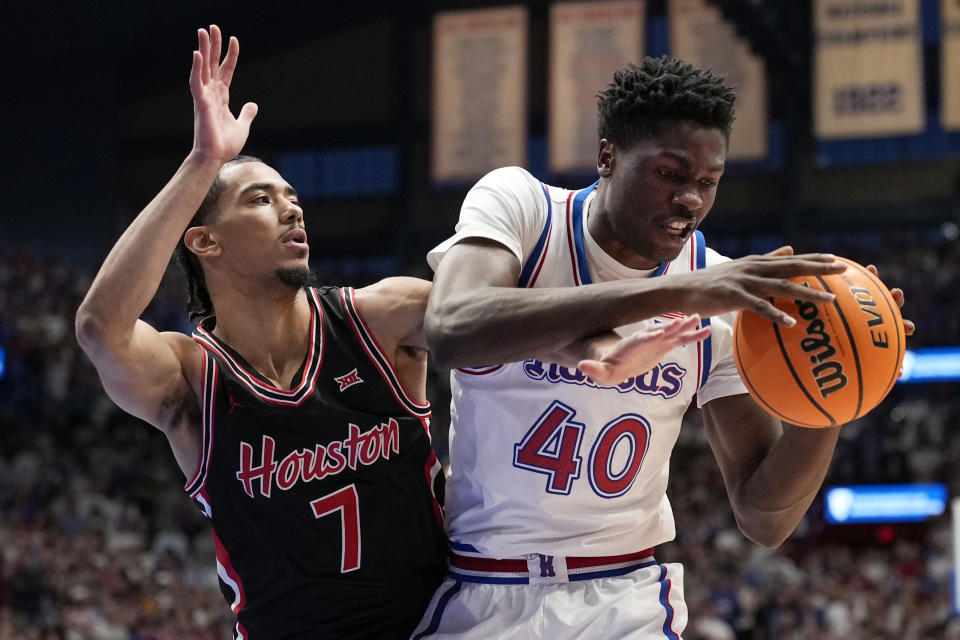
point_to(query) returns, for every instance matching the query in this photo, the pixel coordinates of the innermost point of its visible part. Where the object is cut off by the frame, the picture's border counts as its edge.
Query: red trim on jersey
(433, 463)
(543, 256)
(573, 250)
(210, 423)
(209, 413)
(251, 381)
(541, 262)
(520, 566)
(203, 376)
(247, 383)
(480, 372)
(693, 267)
(323, 339)
(266, 385)
(223, 557)
(203, 498)
(672, 610)
(366, 330)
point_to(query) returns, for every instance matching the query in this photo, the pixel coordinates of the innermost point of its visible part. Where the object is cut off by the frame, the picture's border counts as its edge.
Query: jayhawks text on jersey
(664, 380)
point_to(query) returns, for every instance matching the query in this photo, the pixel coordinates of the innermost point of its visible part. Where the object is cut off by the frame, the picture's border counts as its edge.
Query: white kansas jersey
(542, 459)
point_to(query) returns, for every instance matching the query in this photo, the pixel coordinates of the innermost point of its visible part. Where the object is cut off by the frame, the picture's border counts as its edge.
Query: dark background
(97, 116)
(97, 539)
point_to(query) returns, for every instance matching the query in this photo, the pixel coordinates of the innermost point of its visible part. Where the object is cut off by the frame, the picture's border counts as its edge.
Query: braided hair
(199, 304)
(642, 97)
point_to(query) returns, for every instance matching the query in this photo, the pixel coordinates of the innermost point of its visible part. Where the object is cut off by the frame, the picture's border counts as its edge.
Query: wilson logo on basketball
(836, 363)
(827, 373)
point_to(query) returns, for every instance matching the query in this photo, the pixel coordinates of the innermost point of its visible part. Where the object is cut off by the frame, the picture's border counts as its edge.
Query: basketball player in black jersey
(297, 415)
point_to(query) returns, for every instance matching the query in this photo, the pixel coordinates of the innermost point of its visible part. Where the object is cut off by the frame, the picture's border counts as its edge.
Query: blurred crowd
(100, 543)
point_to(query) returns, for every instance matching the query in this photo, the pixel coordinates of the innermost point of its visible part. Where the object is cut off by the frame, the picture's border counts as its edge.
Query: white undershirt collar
(604, 267)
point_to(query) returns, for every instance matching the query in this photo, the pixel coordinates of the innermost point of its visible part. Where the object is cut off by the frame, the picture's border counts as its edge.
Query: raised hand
(639, 352)
(217, 134)
(747, 283)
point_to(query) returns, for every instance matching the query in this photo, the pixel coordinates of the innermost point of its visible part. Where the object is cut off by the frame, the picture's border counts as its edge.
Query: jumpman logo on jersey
(347, 380)
(233, 404)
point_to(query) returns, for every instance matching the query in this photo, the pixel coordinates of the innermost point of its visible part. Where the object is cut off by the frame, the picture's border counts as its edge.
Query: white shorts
(644, 604)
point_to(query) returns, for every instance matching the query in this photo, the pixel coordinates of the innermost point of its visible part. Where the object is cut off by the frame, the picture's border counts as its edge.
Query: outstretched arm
(477, 316)
(141, 369)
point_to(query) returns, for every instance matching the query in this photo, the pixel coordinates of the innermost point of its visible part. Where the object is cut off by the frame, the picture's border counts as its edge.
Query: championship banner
(479, 92)
(868, 68)
(700, 35)
(588, 42)
(950, 64)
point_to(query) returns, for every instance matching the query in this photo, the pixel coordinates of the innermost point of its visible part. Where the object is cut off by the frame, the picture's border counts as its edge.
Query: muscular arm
(477, 316)
(771, 471)
(142, 370)
(393, 309)
(139, 367)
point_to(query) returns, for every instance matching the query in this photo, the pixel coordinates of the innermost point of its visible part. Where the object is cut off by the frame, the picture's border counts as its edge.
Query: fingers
(248, 113)
(195, 73)
(633, 342)
(781, 251)
(787, 250)
(814, 264)
(680, 325)
(595, 369)
(909, 328)
(692, 336)
(203, 45)
(216, 42)
(230, 61)
(897, 294)
(681, 332)
(784, 288)
(768, 310)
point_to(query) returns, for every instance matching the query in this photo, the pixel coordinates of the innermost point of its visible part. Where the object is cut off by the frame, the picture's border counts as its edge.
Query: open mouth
(679, 230)
(296, 238)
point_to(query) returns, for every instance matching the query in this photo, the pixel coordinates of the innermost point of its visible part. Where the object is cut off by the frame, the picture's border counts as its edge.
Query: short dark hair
(199, 304)
(642, 97)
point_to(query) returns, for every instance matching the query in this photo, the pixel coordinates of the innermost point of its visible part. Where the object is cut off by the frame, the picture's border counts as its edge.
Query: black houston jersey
(322, 498)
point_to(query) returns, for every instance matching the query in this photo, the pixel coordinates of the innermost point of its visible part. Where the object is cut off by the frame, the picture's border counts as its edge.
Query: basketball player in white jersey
(557, 487)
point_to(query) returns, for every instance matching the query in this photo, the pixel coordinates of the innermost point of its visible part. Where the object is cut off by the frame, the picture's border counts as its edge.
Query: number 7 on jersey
(345, 501)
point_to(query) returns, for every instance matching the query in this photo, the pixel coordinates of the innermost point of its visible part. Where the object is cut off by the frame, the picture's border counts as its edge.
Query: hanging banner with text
(868, 68)
(588, 42)
(479, 92)
(700, 35)
(950, 64)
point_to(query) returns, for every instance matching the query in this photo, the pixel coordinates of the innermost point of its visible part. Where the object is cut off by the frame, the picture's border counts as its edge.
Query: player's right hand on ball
(748, 283)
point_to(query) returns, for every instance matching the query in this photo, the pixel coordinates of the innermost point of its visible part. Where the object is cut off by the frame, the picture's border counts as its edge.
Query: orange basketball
(836, 364)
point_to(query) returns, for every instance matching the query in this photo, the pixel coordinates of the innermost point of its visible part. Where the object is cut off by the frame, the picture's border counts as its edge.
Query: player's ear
(201, 242)
(605, 158)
